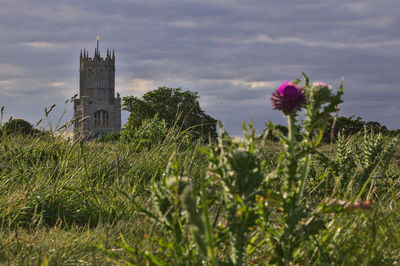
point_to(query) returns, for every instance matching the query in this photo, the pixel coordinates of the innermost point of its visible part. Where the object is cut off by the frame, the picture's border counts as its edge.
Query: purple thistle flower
(288, 98)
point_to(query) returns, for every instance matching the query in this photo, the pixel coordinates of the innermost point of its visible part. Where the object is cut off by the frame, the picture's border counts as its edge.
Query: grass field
(95, 203)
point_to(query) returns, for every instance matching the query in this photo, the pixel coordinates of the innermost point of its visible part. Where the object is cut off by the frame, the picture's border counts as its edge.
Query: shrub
(19, 126)
(112, 137)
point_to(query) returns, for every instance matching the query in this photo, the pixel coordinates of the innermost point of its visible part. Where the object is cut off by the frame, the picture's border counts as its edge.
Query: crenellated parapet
(110, 57)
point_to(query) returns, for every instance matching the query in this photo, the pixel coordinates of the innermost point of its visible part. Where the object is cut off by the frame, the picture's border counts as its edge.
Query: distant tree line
(347, 126)
(163, 109)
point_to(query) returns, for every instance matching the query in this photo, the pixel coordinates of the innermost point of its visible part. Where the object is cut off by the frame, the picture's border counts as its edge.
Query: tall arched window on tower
(101, 119)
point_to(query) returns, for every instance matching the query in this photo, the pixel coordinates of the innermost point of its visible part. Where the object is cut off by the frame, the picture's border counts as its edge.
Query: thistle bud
(321, 92)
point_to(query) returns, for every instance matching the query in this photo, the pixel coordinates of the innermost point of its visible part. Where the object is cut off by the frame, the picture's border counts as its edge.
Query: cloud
(9, 71)
(254, 85)
(136, 87)
(336, 45)
(41, 45)
(57, 84)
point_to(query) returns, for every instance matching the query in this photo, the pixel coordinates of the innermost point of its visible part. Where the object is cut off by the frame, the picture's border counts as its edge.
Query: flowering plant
(292, 171)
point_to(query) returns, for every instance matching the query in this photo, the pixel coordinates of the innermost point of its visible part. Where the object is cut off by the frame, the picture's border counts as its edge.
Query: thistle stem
(292, 166)
(292, 131)
(303, 178)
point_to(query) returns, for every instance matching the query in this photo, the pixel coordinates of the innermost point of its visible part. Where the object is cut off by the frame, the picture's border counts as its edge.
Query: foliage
(18, 126)
(349, 126)
(174, 106)
(112, 137)
(359, 162)
(151, 131)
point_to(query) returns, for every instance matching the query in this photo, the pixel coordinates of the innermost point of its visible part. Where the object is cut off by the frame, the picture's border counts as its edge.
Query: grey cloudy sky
(234, 53)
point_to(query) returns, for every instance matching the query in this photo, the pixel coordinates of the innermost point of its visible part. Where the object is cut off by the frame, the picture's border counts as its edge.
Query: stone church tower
(97, 111)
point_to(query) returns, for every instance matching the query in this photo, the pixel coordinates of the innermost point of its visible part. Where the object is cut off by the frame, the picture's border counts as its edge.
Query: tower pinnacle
(98, 38)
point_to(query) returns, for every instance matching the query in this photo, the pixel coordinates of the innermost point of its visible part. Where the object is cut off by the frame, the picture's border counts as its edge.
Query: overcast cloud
(234, 53)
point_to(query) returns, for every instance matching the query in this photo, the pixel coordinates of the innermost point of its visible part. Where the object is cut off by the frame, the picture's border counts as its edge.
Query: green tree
(19, 126)
(175, 107)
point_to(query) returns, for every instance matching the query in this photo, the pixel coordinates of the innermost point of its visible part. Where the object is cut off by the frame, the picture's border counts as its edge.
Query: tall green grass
(72, 194)
(86, 203)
